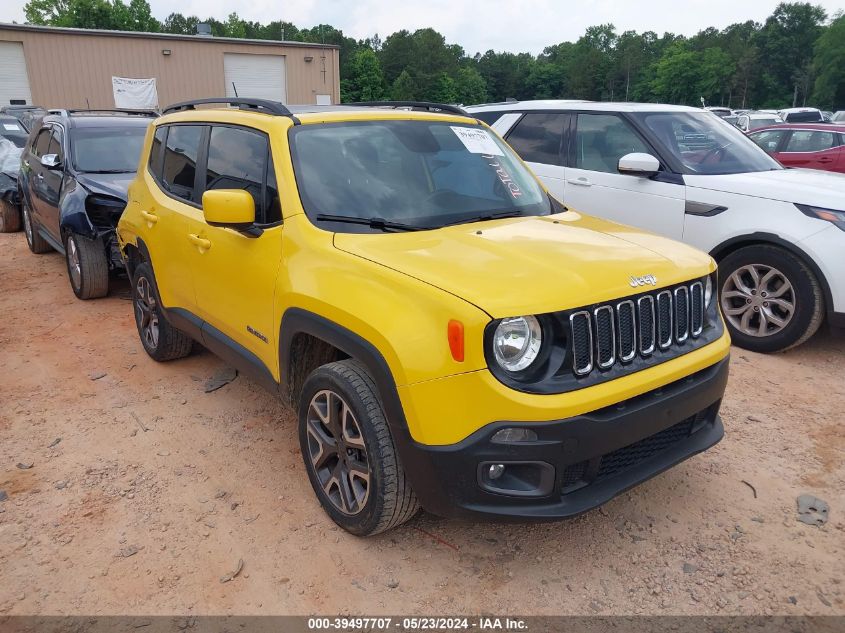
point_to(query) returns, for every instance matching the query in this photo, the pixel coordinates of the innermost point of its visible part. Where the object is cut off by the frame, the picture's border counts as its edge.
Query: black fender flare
(772, 239)
(416, 463)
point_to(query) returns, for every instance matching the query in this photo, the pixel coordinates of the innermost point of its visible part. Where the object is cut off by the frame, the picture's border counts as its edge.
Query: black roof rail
(259, 105)
(427, 105)
(129, 111)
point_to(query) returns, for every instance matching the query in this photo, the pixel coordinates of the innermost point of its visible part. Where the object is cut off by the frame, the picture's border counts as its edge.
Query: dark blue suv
(75, 171)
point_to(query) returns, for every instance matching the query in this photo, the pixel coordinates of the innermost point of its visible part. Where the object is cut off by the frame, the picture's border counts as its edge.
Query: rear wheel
(770, 299)
(87, 267)
(36, 243)
(10, 217)
(161, 340)
(348, 451)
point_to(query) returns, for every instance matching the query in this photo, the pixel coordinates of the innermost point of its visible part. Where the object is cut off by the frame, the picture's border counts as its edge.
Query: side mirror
(51, 161)
(638, 164)
(234, 208)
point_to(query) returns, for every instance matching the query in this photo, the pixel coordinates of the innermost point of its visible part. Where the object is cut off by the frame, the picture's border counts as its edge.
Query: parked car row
(778, 234)
(451, 336)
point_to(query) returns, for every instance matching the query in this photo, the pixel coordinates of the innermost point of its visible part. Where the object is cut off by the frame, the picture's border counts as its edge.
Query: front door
(595, 186)
(52, 184)
(235, 272)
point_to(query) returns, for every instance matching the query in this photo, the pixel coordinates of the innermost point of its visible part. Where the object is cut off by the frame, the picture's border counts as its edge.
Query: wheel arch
(134, 254)
(341, 343)
(770, 239)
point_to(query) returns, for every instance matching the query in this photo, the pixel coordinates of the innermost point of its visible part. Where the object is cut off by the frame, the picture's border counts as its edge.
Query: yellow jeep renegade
(451, 336)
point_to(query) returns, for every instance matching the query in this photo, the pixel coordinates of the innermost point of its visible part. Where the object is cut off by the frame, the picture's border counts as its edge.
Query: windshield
(704, 144)
(804, 117)
(107, 149)
(424, 174)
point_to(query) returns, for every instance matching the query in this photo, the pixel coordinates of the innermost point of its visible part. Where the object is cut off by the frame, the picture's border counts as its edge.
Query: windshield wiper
(109, 171)
(485, 216)
(373, 223)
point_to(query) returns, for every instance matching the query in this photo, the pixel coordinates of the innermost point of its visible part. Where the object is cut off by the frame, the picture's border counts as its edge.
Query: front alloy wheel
(758, 300)
(337, 452)
(770, 298)
(146, 315)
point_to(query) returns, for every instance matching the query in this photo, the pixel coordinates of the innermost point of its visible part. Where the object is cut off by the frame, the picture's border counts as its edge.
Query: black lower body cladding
(574, 464)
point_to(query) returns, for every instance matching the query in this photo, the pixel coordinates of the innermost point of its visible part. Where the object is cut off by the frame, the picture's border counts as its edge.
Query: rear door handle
(26, 163)
(152, 218)
(581, 182)
(200, 242)
(825, 159)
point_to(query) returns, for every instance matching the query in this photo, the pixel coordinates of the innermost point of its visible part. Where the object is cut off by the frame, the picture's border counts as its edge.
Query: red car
(807, 145)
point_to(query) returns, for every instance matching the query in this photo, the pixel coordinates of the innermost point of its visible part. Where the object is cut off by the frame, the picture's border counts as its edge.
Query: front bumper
(575, 464)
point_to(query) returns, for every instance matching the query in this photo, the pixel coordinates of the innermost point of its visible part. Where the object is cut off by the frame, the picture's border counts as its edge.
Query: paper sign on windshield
(477, 141)
(11, 127)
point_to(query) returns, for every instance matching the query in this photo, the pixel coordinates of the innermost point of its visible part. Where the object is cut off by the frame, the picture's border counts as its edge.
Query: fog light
(513, 435)
(495, 471)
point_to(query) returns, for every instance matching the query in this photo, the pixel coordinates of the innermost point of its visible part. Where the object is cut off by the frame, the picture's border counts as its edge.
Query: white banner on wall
(135, 94)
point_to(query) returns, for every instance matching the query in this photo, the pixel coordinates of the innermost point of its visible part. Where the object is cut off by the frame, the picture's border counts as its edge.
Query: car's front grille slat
(605, 335)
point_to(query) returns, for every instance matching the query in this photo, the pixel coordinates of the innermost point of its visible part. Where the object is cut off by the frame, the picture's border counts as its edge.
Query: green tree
(470, 86)
(235, 27)
(403, 88)
(676, 76)
(829, 64)
(367, 80)
(444, 90)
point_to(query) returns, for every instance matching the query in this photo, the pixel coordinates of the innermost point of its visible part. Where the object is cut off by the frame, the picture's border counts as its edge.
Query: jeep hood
(532, 265)
(804, 186)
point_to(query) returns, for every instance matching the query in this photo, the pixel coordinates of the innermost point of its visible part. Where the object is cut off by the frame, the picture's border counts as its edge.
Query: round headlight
(708, 291)
(516, 342)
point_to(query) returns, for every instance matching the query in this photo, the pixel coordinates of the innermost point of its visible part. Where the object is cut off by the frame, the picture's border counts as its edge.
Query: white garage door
(14, 82)
(257, 76)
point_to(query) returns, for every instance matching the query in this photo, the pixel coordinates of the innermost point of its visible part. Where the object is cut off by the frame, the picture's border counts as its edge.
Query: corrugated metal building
(73, 68)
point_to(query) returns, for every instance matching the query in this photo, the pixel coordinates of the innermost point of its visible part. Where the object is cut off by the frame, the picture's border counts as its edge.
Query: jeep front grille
(617, 333)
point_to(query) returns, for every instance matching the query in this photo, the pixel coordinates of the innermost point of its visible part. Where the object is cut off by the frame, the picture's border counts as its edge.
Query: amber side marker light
(455, 334)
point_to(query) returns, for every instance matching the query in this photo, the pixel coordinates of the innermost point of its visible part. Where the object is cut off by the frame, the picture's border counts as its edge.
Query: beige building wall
(72, 68)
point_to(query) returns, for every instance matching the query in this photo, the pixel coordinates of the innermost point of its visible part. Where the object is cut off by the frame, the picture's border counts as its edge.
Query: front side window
(237, 159)
(421, 173)
(179, 168)
(769, 140)
(42, 142)
(705, 145)
(106, 150)
(602, 139)
(56, 144)
(538, 138)
(810, 141)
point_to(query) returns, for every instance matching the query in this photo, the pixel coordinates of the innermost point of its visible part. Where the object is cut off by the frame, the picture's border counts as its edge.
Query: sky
(478, 25)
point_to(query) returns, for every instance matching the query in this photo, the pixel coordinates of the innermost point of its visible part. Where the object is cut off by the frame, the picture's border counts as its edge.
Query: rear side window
(179, 169)
(488, 117)
(602, 139)
(538, 138)
(809, 141)
(42, 142)
(156, 151)
(239, 159)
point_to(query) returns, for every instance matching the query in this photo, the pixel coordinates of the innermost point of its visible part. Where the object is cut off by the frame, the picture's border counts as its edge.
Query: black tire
(803, 293)
(160, 339)
(36, 243)
(10, 217)
(389, 500)
(87, 267)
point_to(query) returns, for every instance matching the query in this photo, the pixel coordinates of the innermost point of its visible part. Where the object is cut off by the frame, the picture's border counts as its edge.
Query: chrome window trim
(627, 357)
(612, 361)
(589, 367)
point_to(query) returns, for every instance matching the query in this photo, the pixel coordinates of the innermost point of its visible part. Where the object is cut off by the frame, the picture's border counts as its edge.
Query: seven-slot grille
(612, 333)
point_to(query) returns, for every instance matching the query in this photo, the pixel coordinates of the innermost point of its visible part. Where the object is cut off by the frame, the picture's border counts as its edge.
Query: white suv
(778, 234)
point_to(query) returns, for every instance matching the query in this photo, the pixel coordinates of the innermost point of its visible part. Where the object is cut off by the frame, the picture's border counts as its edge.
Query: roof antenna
(235, 89)
(88, 105)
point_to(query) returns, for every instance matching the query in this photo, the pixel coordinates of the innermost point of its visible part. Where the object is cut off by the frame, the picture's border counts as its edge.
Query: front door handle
(39, 176)
(26, 163)
(152, 218)
(200, 242)
(825, 159)
(581, 182)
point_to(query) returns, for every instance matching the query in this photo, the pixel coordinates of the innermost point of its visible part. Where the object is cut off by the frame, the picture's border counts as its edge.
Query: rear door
(34, 171)
(538, 138)
(811, 149)
(595, 186)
